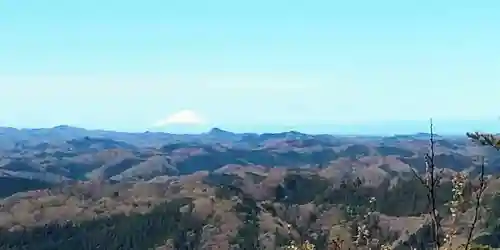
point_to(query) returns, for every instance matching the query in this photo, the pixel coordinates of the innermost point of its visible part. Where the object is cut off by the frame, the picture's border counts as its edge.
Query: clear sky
(126, 64)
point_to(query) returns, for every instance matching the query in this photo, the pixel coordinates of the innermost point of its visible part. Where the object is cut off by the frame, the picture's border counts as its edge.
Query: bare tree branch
(432, 186)
(479, 194)
(485, 139)
(418, 177)
(431, 182)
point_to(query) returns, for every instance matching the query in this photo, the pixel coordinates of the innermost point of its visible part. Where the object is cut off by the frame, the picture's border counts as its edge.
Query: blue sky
(126, 64)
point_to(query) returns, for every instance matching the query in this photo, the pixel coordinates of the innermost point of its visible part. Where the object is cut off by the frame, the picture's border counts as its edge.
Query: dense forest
(12, 185)
(138, 231)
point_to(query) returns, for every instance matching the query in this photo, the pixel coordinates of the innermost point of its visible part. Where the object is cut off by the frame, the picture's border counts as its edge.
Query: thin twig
(432, 187)
(479, 194)
(431, 183)
(418, 177)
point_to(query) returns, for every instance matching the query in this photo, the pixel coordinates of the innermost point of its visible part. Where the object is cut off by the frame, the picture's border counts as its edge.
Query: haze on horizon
(127, 65)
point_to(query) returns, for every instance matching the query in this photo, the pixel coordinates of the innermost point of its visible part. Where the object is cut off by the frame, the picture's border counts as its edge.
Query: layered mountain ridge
(229, 190)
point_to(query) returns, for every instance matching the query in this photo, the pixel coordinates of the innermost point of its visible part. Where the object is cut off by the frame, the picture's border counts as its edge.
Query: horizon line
(340, 129)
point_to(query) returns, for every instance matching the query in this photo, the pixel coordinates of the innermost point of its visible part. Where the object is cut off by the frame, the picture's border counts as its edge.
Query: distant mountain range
(447, 127)
(12, 136)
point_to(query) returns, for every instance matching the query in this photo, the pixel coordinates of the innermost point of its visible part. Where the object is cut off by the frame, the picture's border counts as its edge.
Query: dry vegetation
(455, 232)
(291, 208)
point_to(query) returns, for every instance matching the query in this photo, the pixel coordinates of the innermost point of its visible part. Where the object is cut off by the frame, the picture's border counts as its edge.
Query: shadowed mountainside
(45, 155)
